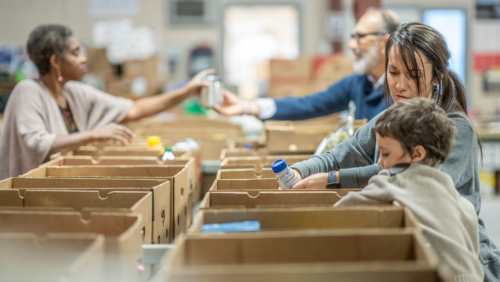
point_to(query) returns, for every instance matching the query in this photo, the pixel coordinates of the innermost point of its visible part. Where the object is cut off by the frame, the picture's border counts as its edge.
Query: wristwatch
(332, 180)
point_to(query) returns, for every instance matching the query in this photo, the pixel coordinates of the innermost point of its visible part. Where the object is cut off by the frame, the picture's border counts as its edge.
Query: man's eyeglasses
(358, 36)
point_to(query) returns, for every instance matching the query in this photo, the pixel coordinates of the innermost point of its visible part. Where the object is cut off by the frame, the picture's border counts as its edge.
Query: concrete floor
(490, 213)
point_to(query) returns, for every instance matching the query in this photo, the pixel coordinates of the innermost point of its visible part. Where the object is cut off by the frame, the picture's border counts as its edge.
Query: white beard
(367, 61)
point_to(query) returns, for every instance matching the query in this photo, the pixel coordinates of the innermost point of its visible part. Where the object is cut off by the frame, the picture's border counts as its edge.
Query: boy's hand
(315, 181)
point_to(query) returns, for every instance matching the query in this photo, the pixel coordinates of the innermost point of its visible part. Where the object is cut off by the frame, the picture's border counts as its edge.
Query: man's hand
(315, 181)
(114, 131)
(232, 105)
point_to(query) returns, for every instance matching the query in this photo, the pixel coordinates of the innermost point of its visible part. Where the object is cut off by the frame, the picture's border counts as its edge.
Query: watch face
(333, 185)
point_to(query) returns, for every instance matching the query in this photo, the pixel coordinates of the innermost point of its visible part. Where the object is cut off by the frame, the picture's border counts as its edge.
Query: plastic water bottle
(285, 175)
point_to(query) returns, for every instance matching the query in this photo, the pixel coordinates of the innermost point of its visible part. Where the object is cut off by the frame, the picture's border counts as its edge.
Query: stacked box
(53, 257)
(159, 189)
(177, 175)
(122, 235)
(314, 255)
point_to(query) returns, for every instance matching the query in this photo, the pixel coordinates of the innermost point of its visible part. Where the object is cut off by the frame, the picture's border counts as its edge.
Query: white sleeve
(267, 107)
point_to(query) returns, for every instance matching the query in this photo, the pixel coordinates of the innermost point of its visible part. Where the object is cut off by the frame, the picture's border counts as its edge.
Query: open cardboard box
(86, 202)
(260, 162)
(263, 184)
(242, 143)
(290, 136)
(132, 151)
(319, 255)
(259, 152)
(194, 173)
(312, 218)
(122, 233)
(177, 175)
(268, 199)
(54, 257)
(245, 173)
(159, 189)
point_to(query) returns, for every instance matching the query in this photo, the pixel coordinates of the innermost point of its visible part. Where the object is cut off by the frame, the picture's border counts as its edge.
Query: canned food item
(211, 96)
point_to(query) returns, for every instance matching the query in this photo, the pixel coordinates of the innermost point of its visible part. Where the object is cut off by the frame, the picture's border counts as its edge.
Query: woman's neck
(55, 88)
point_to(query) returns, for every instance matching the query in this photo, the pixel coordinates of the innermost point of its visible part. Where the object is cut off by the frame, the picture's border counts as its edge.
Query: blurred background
(137, 48)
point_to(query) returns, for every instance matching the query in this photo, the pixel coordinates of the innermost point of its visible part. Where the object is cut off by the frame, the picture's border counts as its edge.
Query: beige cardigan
(32, 121)
(449, 221)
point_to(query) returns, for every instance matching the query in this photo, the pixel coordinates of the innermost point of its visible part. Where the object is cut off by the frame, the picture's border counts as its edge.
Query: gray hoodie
(356, 159)
(448, 220)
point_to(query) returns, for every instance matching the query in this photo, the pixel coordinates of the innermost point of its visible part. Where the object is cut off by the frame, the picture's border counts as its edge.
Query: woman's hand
(194, 85)
(315, 181)
(114, 131)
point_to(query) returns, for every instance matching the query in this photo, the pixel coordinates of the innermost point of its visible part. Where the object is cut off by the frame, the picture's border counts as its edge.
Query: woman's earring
(59, 76)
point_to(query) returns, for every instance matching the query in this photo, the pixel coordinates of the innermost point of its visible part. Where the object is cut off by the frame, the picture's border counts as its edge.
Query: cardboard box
(54, 257)
(290, 77)
(193, 173)
(320, 255)
(86, 202)
(116, 151)
(98, 64)
(122, 233)
(260, 162)
(298, 68)
(329, 70)
(263, 184)
(147, 70)
(312, 218)
(267, 199)
(245, 173)
(160, 190)
(242, 142)
(279, 88)
(244, 152)
(177, 175)
(289, 136)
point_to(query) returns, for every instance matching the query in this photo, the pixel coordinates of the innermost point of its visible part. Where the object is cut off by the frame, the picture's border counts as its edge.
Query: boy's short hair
(419, 121)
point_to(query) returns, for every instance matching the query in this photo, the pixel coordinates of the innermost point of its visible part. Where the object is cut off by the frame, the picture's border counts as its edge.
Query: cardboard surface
(86, 202)
(277, 198)
(348, 255)
(245, 173)
(177, 175)
(122, 233)
(263, 184)
(194, 169)
(311, 218)
(161, 190)
(259, 163)
(290, 136)
(56, 256)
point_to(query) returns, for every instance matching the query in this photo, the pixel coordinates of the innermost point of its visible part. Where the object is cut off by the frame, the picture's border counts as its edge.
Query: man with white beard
(365, 87)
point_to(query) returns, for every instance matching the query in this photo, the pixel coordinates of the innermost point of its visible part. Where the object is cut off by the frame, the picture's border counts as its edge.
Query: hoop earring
(59, 76)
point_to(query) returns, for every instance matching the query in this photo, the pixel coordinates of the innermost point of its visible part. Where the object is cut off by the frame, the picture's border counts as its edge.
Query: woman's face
(403, 83)
(73, 65)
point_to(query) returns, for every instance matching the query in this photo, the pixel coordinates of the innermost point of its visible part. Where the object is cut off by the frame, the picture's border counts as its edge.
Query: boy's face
(391, 152)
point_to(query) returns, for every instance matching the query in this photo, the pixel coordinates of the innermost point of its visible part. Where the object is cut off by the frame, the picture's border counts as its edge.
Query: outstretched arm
(150, 106)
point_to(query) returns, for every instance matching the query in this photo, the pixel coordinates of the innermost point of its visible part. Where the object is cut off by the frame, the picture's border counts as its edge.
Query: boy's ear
(418, 154)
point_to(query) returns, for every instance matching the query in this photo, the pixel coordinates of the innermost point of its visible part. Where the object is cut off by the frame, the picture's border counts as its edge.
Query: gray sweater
(429, 192)
(356, 159)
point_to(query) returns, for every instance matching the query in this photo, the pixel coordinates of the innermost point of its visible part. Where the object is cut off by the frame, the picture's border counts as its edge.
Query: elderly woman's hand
(114, 131)
(194, 85)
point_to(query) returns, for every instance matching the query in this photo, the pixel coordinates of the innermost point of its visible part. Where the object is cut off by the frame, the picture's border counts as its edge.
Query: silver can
(211, 96)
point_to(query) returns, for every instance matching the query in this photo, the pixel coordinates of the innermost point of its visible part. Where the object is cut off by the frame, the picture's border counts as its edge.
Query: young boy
(414, 138)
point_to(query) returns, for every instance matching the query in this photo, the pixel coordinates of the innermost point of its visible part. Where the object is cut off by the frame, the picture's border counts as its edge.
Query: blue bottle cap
(248, 146)
(279, 165)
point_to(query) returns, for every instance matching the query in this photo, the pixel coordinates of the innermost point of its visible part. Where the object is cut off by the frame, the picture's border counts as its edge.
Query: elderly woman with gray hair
(55, 113)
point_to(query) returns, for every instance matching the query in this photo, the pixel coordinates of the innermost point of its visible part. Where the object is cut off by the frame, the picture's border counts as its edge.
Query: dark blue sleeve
(333, 100)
